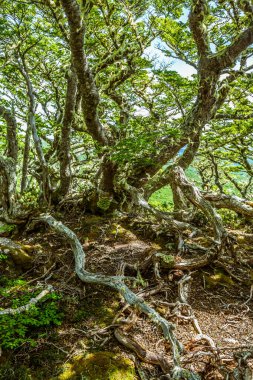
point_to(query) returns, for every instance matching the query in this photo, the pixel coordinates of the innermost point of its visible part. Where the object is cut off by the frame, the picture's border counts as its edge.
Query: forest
(126, 189)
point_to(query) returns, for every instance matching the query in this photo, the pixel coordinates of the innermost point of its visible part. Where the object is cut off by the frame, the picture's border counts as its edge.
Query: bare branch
(28, 306)
(231, 202)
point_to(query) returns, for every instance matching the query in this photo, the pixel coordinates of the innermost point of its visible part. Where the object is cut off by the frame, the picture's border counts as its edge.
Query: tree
(84, 108)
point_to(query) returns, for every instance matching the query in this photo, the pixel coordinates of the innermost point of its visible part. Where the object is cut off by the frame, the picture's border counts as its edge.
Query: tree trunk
(25, 159)
(46, 185)
(64, 150)
(8, 165)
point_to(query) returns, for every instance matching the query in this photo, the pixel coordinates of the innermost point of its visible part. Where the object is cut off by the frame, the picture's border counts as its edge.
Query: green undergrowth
(26, 327)
(162, 199)
(6, 229)
(230, 218)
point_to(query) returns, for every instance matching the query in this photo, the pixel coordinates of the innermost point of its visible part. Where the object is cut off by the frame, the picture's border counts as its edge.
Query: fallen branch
(31, 303)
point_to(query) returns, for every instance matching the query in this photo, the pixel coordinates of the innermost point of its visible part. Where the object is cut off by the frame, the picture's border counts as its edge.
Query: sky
(175, 64)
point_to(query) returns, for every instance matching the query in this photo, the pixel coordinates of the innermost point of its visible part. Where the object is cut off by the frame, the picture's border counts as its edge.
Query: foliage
(26, 327)
(145, 99)
(7, 228)
(3, 256)
(104, 203)
(29, 199)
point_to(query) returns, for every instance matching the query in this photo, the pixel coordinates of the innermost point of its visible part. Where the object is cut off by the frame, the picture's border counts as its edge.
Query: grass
(162, 199)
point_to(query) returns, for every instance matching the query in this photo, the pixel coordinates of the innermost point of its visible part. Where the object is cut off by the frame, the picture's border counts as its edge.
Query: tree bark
(8, 164)
(230, 202)
(25, 159)
(46, 185)
(64, 150)
(89, 91)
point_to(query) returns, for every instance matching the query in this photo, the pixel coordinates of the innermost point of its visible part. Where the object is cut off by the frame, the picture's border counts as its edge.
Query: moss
(218, 279)
(18, 252)
(156, 246)
(104, 203)
(6, 229)
(99, 366)
(167, 261)
(119, 231)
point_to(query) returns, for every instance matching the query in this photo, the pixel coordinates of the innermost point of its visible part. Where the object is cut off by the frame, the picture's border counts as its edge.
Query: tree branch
(198, 28)
(28, 306)
(89, 91)
(231, 202)
(228, 56)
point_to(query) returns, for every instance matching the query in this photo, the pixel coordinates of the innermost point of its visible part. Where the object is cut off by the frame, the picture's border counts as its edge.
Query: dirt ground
(223, 309)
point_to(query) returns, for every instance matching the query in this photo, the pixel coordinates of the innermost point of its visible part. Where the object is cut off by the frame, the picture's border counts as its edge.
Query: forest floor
(84, 345)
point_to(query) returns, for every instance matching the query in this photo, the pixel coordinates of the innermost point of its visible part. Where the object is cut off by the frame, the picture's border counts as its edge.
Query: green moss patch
(219, 278)
(99, 366)
(104, 203)
(167, 261)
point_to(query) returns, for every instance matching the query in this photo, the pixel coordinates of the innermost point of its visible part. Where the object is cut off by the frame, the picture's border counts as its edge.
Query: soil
(224, 309)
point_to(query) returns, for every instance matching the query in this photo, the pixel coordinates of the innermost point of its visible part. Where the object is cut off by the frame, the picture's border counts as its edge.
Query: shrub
(25, 328)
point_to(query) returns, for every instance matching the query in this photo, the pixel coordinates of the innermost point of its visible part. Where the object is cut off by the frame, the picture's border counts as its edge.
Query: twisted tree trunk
(8, 165)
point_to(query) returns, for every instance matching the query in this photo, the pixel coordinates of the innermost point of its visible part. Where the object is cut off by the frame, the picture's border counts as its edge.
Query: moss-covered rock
(118, 231)
(18, 252)
(99, 366)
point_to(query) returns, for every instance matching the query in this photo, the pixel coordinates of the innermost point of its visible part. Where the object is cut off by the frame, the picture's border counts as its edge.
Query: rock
(18, 252)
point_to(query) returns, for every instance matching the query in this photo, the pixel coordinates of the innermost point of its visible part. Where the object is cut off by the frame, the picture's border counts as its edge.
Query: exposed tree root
(144, 354)
(183, 290)
(174, 224)
(195, 263)
(116, 282)
(192, 193)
